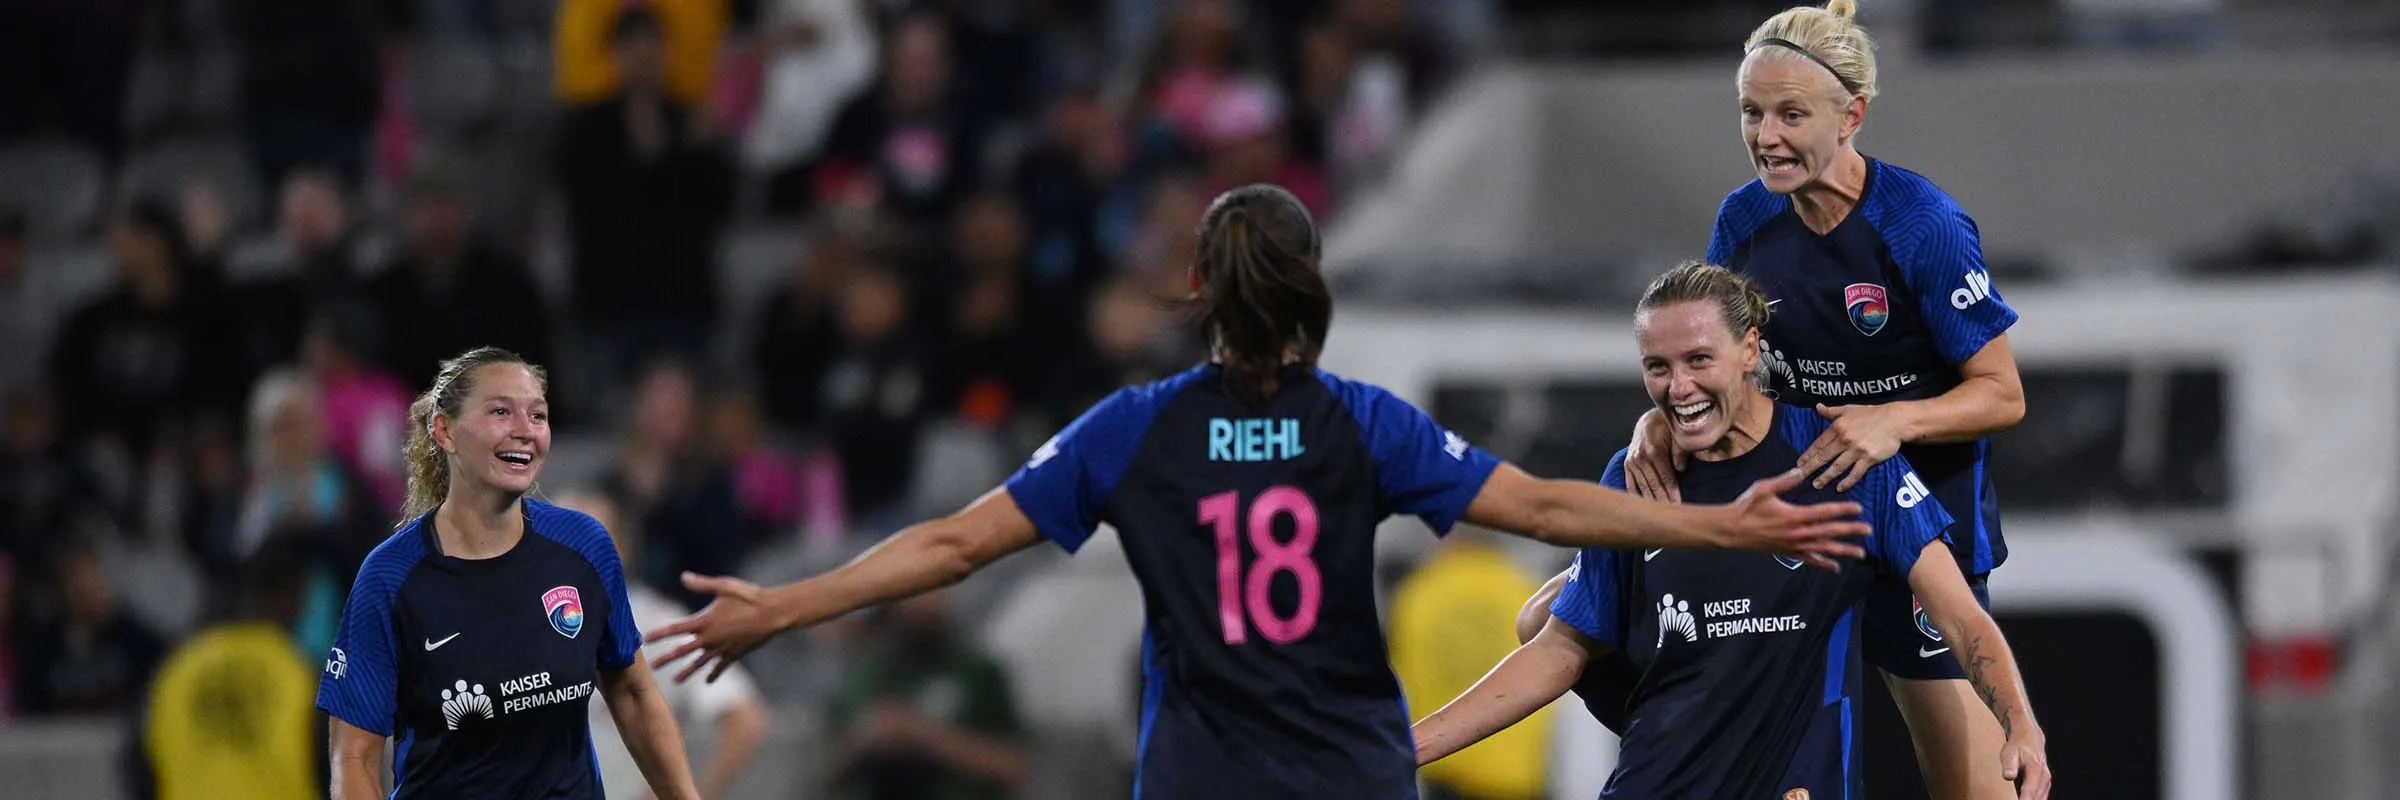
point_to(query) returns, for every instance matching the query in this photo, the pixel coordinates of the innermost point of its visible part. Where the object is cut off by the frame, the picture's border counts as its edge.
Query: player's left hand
(734, 624)
(2024, 762)
(1859, 438)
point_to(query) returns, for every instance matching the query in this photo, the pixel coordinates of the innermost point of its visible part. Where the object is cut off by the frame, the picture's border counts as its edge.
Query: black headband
(1788, 44)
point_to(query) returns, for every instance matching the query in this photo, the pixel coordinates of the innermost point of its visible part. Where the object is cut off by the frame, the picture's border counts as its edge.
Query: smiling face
(1797, 119)
(1698, 372)
(501, 432)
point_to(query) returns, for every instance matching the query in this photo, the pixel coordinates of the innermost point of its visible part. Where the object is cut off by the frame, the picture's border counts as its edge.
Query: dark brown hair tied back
(1265, 301)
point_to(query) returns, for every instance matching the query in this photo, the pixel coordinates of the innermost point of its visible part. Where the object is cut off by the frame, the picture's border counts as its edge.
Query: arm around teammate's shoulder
(1582, 514)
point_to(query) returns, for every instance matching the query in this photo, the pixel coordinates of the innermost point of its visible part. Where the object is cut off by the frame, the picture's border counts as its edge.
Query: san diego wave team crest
(564, 606)
(1869, 308)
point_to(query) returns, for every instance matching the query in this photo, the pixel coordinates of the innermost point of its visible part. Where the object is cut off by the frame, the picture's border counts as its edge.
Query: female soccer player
(1743, 667)
(463, 636)
(1888, 325)
(1246, 492)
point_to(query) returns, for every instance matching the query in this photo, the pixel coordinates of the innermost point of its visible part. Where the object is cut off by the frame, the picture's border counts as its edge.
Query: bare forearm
(1991, 667)
(987, 758)
(1977, 407)
(1531, 677)
(648, 726)
(1579, 514)
(918, 559)
(357, 777)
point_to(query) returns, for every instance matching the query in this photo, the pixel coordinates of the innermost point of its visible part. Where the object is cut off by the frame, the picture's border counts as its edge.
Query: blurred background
(807, 270)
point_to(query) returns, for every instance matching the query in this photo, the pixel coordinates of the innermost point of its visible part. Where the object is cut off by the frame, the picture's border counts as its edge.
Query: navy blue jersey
(484, 668)
(1744, 664)
(1250, 527)
(1882, 308)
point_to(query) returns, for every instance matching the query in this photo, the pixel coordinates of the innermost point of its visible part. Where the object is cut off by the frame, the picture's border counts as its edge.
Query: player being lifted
(1246, 492)
(1742, 666)
(1887, 321)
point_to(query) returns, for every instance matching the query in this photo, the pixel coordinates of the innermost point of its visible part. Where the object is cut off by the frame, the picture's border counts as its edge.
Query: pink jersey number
(1293, 556)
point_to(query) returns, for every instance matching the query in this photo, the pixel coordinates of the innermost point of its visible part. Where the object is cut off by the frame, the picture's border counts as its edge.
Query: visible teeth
(1692, 409)
(517, 458)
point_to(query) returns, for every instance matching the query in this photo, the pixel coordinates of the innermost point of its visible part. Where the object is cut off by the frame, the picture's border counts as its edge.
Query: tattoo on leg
(1975, 661)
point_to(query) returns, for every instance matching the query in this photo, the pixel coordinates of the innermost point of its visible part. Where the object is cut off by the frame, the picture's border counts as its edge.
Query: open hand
(1815, 534)
(734, 624)
(1859, 438)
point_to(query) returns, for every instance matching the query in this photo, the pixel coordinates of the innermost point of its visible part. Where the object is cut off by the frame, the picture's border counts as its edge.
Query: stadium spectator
(310, 85)
(315, 274)
(91, 657)
(298, 492)
(798, 335)
(876, 392)
(912, 144)
(142, 355)
(365, 410)
(998, 332)
(667, 483)
(647, 186)
(818, 54)
(924, 714)
(767, 480)
(448, 289)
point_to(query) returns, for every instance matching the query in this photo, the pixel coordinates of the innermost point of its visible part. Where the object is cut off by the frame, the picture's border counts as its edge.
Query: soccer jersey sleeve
(360, 684)
(1066, 484)
(621, 640)
(1903, 512)
(1940, 253)
(1420, 469)
(1591, 600)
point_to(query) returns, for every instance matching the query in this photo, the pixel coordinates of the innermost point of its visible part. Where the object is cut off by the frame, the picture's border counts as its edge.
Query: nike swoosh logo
(1924, 653)
(430, 644)
(1650, 554)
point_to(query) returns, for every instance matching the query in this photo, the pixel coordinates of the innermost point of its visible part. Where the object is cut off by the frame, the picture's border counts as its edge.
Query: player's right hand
(732, 625)
(1652, 462)
(1816, 534)
(2024, 762)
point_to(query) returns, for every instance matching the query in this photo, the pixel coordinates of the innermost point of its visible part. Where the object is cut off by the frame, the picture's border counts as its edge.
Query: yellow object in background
(694, 31)
(232, 714)
(1452, 621)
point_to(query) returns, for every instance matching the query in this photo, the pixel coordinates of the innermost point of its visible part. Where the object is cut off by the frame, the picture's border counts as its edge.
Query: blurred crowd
(803, 270)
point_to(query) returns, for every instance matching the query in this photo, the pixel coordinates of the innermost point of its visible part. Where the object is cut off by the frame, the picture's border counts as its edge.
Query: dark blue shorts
(1901, 638)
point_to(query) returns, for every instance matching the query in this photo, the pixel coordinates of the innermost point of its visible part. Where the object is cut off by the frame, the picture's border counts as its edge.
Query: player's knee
(1536, 612)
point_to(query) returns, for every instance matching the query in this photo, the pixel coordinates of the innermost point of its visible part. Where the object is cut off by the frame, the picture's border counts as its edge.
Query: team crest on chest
(564, 607)
(1868, 307)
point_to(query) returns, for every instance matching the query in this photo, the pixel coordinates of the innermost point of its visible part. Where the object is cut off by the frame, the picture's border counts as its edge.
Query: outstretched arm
(919, 558)
(357, 760)
(1533, 676)
(1990, 665)
(1581, 514)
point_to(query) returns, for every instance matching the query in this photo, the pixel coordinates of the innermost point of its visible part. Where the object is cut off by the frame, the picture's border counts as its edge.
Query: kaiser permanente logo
(464, 701)
(1726, 618)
